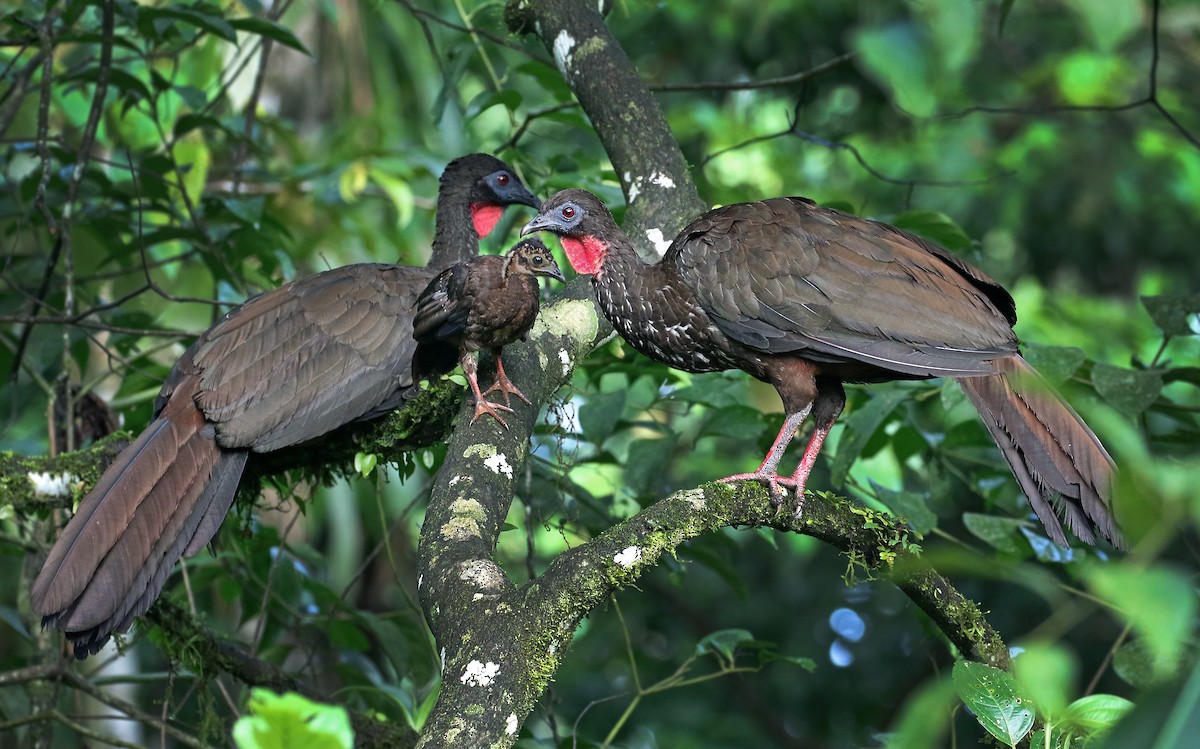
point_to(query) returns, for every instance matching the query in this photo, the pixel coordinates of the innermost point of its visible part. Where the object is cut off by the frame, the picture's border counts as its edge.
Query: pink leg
(504, 385)
(800, 477)
(766, 472)
(482, 405)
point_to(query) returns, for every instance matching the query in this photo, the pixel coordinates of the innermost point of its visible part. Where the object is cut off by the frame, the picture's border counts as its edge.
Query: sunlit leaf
(288, 721)
(1046, 672)
(995, 699)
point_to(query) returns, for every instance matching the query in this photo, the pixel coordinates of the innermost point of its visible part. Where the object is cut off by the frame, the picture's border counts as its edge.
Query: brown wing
(308, 357)
(785, 275)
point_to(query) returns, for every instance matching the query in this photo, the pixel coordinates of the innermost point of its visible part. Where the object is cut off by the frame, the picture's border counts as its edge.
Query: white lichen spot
(51, 485)
(565, 358)
(499, 464)
(420, 579)
(454, 480)
(480, 674)
(563, 44)
(634, 190)
(443, 659)
(662, 180)
(628, 556)
(511, 724)
(657, 239)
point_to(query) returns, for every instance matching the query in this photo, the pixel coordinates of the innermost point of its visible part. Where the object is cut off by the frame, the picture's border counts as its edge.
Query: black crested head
(491, 181)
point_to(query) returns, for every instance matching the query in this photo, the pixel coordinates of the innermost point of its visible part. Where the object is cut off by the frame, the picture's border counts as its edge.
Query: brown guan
(283, 368)
(481, 302)
(806, 298)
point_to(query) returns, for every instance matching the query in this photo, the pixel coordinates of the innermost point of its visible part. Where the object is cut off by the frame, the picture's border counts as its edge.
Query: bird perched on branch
(283, 368)
(482, 302)
(806, 298)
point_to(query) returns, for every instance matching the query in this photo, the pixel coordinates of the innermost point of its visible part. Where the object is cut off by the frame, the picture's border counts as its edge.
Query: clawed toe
(483, 406)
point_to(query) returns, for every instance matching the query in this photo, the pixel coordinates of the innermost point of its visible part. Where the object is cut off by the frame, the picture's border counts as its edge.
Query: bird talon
(505, 386)
(483, 406)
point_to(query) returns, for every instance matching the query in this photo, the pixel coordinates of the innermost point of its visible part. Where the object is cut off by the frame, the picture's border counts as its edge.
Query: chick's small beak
(556, 273)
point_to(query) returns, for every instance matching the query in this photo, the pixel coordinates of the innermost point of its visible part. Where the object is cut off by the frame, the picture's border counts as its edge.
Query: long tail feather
(165, 496)
(1058, 461)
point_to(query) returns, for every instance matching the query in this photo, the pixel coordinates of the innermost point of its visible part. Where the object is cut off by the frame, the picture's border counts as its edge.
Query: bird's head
(531, 257)
(494, 185)
(582, 222)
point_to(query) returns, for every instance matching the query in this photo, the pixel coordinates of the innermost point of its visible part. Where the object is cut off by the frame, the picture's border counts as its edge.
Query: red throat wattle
(485, 217)
(585, 253)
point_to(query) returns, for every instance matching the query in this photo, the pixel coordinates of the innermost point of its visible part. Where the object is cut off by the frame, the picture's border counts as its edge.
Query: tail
(164, 497)
(1058, 461)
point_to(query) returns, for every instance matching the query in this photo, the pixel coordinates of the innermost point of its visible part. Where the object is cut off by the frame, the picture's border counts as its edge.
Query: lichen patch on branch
(480, 674)
(51, 485)
(563, 44)
(628, 556)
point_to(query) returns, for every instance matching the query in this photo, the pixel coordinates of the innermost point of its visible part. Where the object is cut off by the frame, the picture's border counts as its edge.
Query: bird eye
(538, 259)
(568, 211)
(503, 180)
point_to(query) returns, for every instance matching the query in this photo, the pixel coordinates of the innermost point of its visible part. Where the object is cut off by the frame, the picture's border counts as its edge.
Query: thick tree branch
(643, 150)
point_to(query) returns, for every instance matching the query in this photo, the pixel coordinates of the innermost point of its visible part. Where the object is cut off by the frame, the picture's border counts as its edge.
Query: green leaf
(212, 23)
(364, 463)
(861, 425)
(1130, 391)
(1173, 314)
(1094, 714)
(1158, 602)
(271, 30)
(647, 459)
(290, 721)
(599, 414)
(1046, 672)
(925, 717)
(995, 699)
(739, 422)
(998, 532)
(909, 505)
(934, 226)
(897, 56)
(724, 643)
(509, 98)
(1055, 363)
(1109, 22)
(1167, 718)
(1134, 663)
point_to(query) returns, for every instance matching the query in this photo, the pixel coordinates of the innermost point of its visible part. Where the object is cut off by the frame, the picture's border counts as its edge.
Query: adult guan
(806, 298)
(283, 368)
(481, 302)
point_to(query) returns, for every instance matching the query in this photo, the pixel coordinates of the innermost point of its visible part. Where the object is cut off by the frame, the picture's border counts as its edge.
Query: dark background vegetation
(1055, 144)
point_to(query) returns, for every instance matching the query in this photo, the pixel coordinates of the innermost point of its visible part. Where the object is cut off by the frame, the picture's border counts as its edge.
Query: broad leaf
(1130, 391)
(995, 699)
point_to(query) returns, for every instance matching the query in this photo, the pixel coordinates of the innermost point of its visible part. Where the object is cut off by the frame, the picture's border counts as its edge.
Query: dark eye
(538, 259)
(503, 180)
(568, 211)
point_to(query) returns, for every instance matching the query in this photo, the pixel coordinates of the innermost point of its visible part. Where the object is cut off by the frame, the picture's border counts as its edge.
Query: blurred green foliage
(1024, 136)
